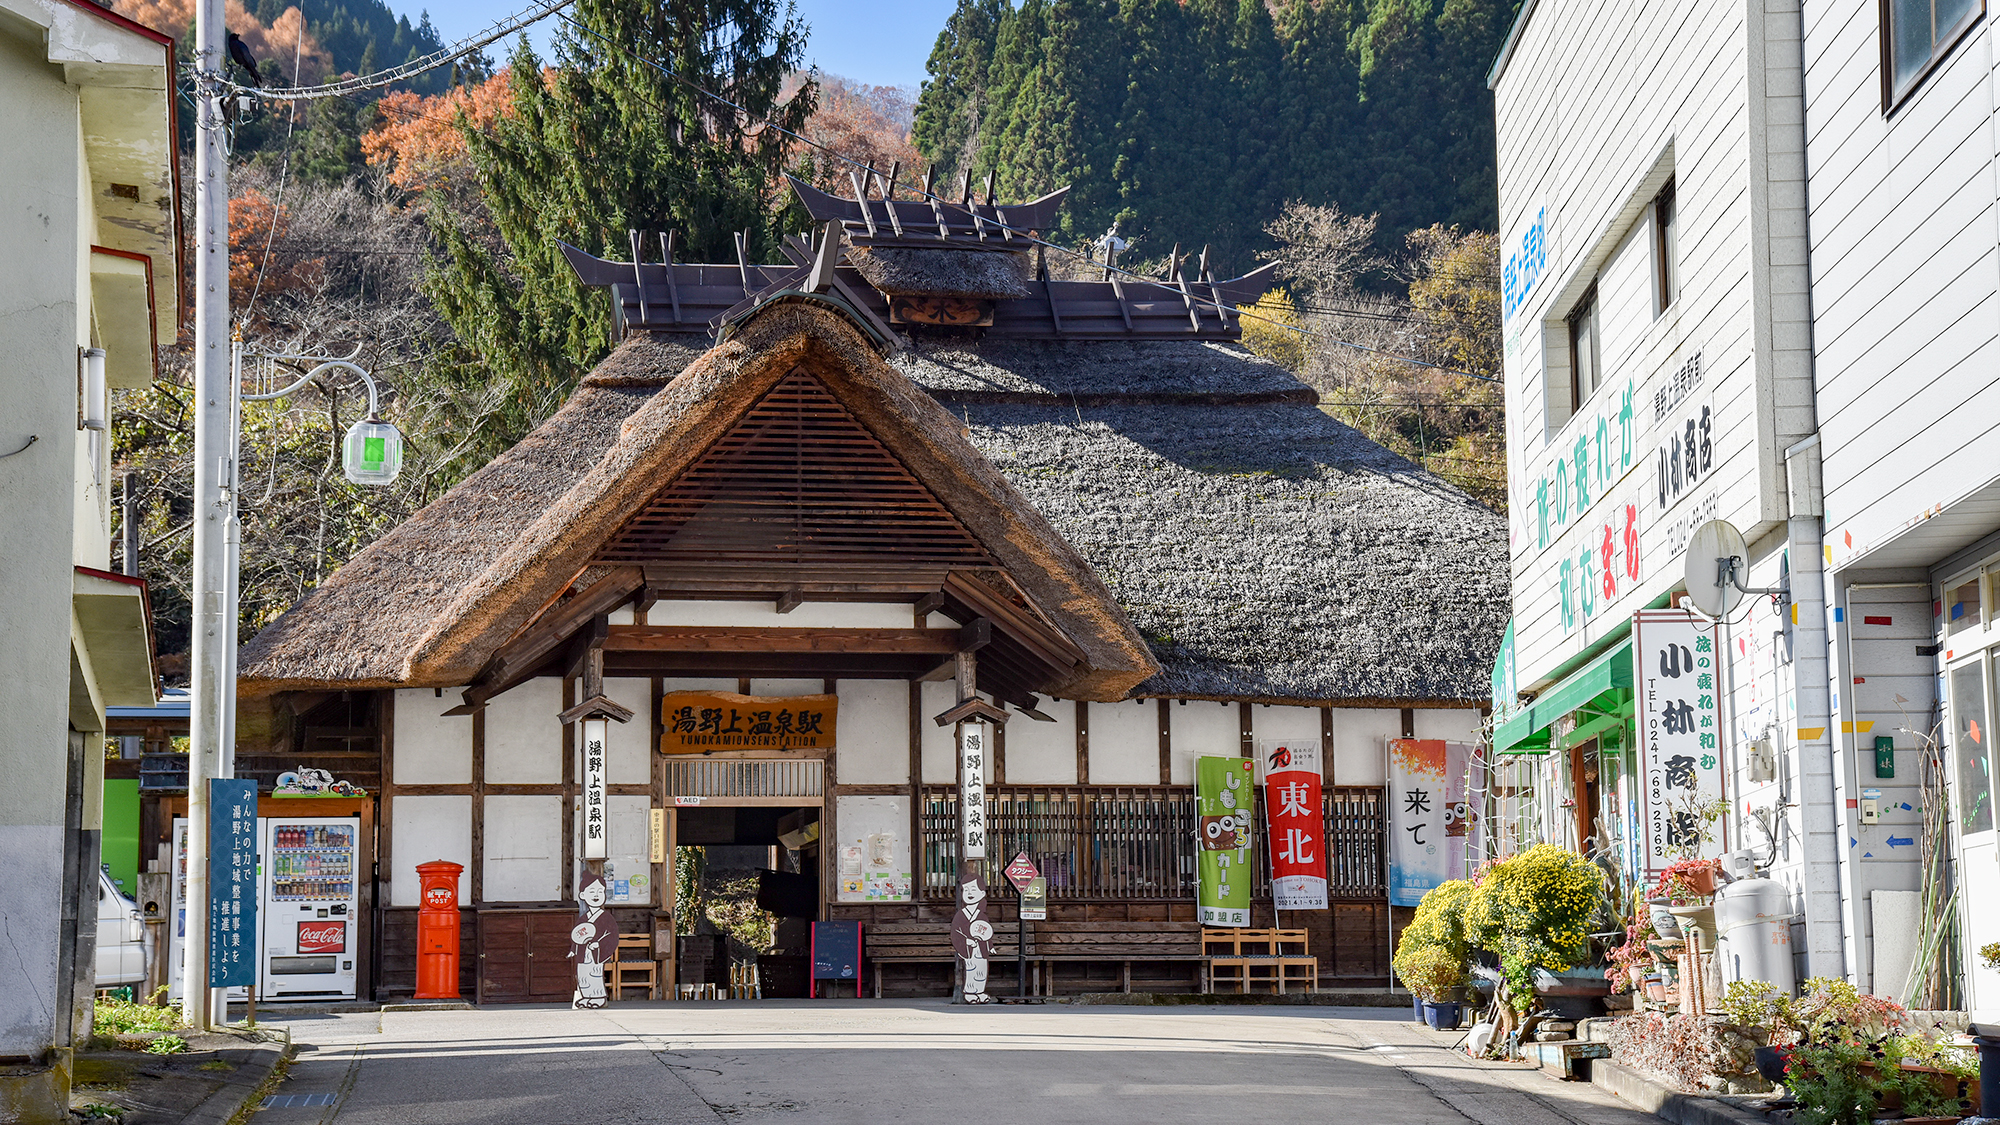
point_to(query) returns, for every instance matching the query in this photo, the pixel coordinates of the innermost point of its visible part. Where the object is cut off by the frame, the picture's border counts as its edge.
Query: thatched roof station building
(912, 472)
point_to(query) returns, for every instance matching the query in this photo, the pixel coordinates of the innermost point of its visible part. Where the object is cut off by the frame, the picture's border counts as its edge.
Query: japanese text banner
(1292, 778)
(1429, 817)
(1225, 800)
(1680, 756)
(695, 722)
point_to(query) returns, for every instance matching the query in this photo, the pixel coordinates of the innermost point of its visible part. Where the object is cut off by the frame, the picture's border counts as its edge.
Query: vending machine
(308, 907)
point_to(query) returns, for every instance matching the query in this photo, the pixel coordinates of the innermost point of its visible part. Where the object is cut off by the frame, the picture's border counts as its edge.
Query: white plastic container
(1753, 922)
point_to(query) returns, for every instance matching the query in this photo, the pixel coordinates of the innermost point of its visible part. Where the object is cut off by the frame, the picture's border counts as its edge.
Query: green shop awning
(1611, 670)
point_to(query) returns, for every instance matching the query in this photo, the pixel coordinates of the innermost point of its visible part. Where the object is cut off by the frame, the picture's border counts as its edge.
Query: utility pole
(213, 398)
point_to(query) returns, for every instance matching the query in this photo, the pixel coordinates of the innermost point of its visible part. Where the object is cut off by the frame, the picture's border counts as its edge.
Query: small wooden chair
(634, 967)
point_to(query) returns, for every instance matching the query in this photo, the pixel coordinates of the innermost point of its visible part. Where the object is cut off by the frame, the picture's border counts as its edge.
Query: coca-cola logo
(322, 937)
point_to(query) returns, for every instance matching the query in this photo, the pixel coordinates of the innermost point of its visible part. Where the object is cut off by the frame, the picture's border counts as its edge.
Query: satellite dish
(1712, 587)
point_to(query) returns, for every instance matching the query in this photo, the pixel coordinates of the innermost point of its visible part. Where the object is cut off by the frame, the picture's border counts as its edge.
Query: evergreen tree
(607, 143)
(952, 105)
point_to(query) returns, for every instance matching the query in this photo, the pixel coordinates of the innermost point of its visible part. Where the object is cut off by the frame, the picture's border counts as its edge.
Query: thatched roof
(1262, 550)
(1266, 551)
(580, 476)
(986, 275)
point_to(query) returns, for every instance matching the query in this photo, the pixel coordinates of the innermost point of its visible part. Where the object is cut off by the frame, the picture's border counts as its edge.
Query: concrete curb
(428, 1006)
(1339, 998)
(1668, 1104)
(246, 1085)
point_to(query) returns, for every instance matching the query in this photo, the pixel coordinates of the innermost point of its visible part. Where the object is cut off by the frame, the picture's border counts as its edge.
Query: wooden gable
(798, 481)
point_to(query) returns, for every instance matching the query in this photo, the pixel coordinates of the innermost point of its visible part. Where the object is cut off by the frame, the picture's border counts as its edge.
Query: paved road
(886, 1062)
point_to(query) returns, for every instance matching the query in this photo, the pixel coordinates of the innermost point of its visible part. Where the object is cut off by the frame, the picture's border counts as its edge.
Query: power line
(408, 70)
(1026, 235)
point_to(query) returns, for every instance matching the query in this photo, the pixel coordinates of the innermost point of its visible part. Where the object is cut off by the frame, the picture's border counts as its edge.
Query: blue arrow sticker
(1901, 841)
(1852, 842)
(1867, 855)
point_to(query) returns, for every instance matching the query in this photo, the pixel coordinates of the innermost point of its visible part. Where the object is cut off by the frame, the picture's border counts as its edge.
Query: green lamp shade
(373, 452)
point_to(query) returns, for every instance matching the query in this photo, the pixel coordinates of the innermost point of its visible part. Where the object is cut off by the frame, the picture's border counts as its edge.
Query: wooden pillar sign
(972, 758)
(595, 838)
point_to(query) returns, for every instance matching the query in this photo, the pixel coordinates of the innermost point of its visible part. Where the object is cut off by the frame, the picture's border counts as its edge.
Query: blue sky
(880, 42)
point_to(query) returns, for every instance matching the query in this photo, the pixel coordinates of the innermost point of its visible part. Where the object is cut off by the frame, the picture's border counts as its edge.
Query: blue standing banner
(232, 882)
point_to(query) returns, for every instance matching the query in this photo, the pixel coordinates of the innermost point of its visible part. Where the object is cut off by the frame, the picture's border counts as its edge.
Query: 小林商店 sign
(1677, 673)
(696, 722)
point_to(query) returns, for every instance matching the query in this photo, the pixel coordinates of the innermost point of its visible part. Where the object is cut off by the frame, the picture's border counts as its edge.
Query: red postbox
(437, 931)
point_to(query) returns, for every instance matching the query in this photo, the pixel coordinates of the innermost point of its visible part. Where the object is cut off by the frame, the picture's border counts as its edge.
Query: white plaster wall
(1450, 725)
(628, 830)
(788, 687)
(1285, 722)
(422, 829)
(712, 683)
(523, 845)
(811, 615)
(872, 738)
(1041, 753)
(1201, 727)
(524, 737)
(940, 748)
(1360, 742)
(629, 747)
(430, 749)
(1125, 743)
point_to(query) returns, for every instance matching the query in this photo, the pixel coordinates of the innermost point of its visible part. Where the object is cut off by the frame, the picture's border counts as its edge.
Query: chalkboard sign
(836, 952)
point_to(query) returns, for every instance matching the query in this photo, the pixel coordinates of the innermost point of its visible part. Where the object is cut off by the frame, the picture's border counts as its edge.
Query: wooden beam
(939, 674)
(517, 659)
(930, 603)
(972, 709)
(975, 635)
(729, 638)
(790, 600)
(1023, 625)
(1166, 742)
(1082, 741)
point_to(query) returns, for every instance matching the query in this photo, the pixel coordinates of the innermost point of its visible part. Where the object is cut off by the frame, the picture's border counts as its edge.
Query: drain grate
(290, 1101)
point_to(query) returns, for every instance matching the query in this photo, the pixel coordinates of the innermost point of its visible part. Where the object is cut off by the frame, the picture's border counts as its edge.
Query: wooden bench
(1235, 956)
(1049, 944)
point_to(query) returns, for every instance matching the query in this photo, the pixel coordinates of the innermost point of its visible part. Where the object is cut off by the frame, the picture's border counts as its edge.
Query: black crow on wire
(240, 55)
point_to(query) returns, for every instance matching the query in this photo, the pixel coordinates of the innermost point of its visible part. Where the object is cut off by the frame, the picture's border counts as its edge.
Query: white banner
(972, 788)
(595, 837)
(1429, 817)
(1677, 670)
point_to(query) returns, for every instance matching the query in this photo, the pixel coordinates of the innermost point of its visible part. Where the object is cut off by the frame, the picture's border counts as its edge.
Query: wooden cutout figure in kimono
(593, 942)
(971, 933)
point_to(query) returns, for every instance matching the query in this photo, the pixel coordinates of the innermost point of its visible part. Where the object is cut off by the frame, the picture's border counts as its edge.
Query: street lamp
(372, 454)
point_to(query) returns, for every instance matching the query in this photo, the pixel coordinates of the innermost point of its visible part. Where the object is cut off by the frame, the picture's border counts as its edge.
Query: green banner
(1225, 800)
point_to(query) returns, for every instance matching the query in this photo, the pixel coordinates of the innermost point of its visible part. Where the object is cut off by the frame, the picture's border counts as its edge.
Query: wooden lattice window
(798, 480)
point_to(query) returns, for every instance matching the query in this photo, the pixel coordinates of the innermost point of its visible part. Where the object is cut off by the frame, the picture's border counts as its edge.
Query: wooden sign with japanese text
(698, 722)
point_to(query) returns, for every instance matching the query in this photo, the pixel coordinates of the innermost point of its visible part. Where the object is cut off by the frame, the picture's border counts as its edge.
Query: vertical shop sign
(1679, 736)
(232, 882)
(1430, 819)
(972, 789)
(1297, 831)
(595, 839)
(1225, 800)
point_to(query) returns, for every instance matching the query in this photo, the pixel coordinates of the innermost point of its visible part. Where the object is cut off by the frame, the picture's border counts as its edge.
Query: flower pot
(1702, 879)
(1771, 1062)
(1664, 922)
(1442, 1015)
(1950, 1084)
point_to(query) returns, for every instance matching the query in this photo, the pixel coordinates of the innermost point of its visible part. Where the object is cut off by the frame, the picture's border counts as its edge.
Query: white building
(90, 248)
(1906, 302)
(1659, 375)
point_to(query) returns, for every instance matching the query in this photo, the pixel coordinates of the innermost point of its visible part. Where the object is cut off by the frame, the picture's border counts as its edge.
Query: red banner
(1295, 827)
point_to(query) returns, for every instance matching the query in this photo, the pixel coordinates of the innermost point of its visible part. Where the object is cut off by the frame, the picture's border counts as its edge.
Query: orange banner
(696, 722)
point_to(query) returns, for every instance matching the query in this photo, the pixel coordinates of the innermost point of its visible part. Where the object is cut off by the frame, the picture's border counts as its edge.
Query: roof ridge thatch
(660, 439)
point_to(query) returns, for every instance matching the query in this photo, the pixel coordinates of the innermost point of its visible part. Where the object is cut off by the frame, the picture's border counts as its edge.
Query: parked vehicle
(121, 938)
